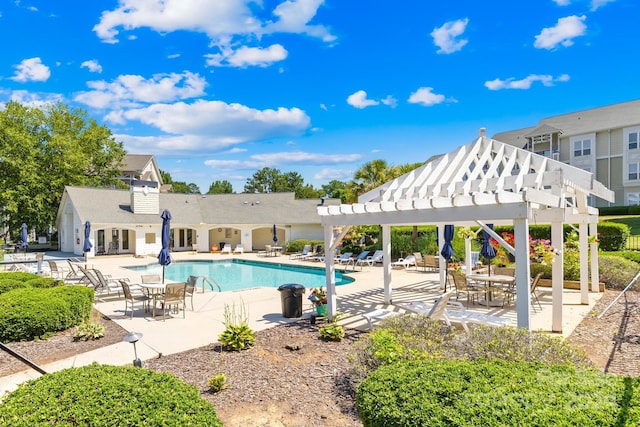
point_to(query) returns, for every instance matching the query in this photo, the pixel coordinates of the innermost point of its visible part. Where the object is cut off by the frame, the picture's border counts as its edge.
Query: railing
(210, 282)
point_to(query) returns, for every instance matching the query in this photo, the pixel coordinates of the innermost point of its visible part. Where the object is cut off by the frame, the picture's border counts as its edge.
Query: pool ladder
(211, 283)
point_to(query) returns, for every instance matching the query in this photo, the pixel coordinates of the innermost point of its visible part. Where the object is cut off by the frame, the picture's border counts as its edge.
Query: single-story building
(128, 221)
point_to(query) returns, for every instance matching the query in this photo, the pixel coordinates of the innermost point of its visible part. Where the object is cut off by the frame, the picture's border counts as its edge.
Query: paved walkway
(202, 326)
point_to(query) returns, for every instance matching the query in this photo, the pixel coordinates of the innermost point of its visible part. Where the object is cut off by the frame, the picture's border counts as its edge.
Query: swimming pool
(233, 275)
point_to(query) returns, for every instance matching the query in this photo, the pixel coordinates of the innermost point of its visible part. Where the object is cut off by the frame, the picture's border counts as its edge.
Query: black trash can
(291, 296)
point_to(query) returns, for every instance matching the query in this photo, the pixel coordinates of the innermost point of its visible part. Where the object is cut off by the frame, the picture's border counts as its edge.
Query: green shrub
(18, 275)
(412, 337)
(630, 255)
(43, 282)
(7, 285)
(297, 245)
(101, 395)
(616, 272)
(332, 332)
(497, 393)
(30, 313)
(237, 334)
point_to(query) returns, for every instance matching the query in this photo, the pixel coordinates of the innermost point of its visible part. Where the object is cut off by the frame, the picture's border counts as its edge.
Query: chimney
(145, 197)
(482, 132)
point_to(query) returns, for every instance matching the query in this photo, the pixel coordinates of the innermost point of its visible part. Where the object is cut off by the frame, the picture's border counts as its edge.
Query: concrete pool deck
(202, 326)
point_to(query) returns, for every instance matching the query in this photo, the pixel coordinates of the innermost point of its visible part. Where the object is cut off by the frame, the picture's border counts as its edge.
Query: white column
(593, 250)
(467, 254)
(557, 278)
(523, 292)
(386, 262)
(584, 264)
(330, 275)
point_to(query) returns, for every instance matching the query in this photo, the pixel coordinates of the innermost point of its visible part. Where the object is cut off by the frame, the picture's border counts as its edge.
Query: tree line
(44, 149)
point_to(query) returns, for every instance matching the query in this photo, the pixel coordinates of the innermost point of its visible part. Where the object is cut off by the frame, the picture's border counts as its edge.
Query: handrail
(22, 358)
(211, 282)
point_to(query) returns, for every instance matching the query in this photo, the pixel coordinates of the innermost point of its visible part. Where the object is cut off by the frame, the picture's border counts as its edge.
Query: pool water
(233, 275)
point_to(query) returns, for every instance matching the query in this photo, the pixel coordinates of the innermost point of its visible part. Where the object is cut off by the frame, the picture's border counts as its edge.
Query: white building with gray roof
(128, 221)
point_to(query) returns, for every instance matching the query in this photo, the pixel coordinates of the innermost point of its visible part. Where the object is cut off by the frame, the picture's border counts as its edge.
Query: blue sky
(219, 89)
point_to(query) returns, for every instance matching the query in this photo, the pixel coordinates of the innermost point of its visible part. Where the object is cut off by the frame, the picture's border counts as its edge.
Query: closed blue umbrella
(24, 237)
(275, 234)
(164, 258)
(86, 247)
(447, 251)
(487, 251)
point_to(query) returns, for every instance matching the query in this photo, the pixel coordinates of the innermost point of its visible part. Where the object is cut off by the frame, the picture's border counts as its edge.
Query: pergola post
(557, 277)
(523, 292)
(584, 263)
(386, 262)
(329, 239)
(593, 250)
(442, 268)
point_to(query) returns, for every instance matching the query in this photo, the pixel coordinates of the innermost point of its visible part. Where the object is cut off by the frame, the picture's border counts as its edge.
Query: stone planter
(568, 284)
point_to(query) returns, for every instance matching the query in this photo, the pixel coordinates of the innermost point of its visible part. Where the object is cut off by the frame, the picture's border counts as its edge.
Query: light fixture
(133, 338)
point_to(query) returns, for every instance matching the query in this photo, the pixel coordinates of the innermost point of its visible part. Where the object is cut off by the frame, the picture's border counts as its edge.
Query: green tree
(336, 190)
(42, 150)
(220, 187)
(271, 180)
(179, 186)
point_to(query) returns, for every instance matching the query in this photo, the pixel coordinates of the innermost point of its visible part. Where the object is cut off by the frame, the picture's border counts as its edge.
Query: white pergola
(483, 182)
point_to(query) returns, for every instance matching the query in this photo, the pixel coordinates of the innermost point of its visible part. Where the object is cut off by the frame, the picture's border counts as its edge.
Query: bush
(616, 272)
(18, 275)
(497, 393)
(101, 395)
(43, 282)
(7, 285)
(30, 313)
(412, 337)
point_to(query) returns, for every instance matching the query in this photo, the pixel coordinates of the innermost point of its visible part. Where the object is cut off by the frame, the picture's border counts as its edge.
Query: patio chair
(266, 252)
(375, 258)
(174, 297)
(75, 273)
(192, 284)
(57, 272)
(226, 249)
(129, 298)
(239, 249)
(98, 285)
(409, 261)
(510, 292)
(464, 286)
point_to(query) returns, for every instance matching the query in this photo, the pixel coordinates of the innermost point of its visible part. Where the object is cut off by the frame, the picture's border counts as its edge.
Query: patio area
(202, 326)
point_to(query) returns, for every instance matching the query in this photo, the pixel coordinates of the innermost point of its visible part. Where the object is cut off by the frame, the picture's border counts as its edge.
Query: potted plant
(318, 298)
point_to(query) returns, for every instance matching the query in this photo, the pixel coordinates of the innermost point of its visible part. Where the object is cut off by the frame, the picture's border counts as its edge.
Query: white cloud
(93, 65)
(563, 33)
(562, 2)
(328, 174)
(218, 124)
(445, 37)
(359, 100)
(294, 17)
(323, 107)
(227, 23)
(33, 99)
(596, 4)
(301, 157)
(425, 96)
(130, 90)
(236, 150)
(525, 83)
(31, 70)
(390, 101)
(248, 56)
(258, 161)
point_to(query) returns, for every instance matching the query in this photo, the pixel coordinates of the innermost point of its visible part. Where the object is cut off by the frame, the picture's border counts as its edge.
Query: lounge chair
(434, 311)
(226, 249)
(98, 285)
(56, 271)
(359, 260)
(74, 272)
(305, 251)
(239, 249)
(375, 258)
(342, 259)
(409, 261)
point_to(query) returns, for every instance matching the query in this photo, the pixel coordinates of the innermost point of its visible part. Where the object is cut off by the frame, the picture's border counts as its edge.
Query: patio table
(154, 290)
(489, 280)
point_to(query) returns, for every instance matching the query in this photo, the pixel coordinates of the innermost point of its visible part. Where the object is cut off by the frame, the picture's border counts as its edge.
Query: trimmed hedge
(29, 313)
(102, 395)
(497, 393)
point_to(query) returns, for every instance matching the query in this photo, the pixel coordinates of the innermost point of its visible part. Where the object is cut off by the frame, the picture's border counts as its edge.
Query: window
(582, 147)
(633, 171)
(149, 238)
(633, 199)
(633, 140)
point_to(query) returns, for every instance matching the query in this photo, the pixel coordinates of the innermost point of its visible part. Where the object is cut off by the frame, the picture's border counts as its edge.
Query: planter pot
(321, 310)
